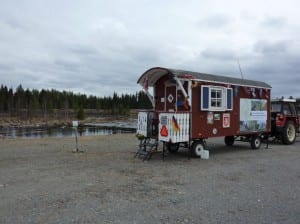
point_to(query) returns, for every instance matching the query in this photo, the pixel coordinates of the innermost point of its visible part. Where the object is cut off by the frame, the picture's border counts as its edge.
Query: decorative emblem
(170, 98)
(164, 131)
(215, 131)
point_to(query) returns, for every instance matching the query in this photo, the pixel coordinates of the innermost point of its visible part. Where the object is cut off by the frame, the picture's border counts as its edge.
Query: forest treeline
(32, 101)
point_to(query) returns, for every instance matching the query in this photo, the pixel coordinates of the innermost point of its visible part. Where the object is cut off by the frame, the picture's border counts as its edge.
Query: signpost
(75, 126)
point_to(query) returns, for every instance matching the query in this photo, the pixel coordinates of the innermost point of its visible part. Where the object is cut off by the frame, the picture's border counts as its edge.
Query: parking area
(42, 181)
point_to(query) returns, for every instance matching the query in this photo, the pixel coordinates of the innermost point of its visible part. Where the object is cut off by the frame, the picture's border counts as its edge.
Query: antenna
(240, 68)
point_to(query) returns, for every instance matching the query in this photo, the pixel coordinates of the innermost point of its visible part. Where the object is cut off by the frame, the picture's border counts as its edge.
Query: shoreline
(55, 128)
(16, 122)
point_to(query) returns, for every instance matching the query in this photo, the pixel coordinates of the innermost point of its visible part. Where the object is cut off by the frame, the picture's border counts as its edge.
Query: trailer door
(170, 98)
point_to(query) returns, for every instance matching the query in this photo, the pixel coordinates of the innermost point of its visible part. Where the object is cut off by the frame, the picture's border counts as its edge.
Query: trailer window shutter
(204, 97)
(229, 99)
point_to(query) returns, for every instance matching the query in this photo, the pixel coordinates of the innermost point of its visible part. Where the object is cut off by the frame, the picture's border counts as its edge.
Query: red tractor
(284, 120)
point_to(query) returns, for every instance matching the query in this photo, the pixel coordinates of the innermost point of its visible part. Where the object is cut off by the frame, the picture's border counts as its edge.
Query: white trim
(151, 98)
(190, 93)
(186, 95)
(229, 83)
(223, 106)
(223, 99)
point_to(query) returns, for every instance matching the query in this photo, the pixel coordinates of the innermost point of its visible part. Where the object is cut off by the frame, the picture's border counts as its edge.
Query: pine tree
(80, 114)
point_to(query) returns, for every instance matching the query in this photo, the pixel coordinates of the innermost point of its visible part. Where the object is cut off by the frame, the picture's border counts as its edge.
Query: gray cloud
(219, 54)
(279, 68)
(216, 21)
(274, 22)
(80, 49)
(5, 67)
(99, 47)
(266, 47)
(67, 65)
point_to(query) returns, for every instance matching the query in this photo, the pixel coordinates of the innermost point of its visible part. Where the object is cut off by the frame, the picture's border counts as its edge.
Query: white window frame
(223, 98)
(216, 99)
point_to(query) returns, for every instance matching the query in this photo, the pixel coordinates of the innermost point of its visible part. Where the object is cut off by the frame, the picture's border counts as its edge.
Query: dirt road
(42, 181)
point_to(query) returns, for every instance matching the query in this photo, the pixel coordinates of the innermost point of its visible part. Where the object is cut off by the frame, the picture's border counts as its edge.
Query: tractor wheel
(289, 133)
(255, 142)
(173, 147)
(229, 140)
(197, 147)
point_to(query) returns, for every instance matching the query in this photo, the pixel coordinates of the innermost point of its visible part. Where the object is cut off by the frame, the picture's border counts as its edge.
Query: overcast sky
(98, 47)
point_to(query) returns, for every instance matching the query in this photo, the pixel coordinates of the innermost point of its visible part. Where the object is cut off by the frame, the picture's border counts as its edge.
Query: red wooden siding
(200, 126)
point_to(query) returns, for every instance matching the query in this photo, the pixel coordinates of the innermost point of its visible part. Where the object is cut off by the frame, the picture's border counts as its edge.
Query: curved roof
(152, 75)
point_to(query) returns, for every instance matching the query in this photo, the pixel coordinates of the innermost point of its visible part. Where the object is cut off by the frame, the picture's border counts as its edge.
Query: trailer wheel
(229, 140)
(289, 133)
(255, 142)
(197, 147)
(172, 147)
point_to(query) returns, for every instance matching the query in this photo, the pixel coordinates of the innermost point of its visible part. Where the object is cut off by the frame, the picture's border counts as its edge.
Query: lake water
(86, 130)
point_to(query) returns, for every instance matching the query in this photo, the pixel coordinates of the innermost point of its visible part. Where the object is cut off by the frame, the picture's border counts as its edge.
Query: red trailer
(189, 107)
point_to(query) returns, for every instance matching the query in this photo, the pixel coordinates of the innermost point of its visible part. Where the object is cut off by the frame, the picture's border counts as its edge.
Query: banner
(253, 115)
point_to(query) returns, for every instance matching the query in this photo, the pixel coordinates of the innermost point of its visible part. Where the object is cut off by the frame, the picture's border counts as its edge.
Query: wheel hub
(291, 133)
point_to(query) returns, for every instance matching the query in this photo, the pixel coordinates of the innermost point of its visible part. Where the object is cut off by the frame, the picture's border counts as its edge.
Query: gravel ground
(42, 181)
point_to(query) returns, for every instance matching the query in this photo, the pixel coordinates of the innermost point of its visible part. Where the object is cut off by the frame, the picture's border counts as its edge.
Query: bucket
(204, 154)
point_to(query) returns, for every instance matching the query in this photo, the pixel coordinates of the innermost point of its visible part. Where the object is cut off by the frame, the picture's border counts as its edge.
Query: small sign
(164, 131)
(210, 118)
(217, 117)
(164, 120)
(226, 120)
(75, 124)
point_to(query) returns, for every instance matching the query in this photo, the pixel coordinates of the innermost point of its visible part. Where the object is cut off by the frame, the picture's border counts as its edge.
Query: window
(276, 107)
(293, 109)
(216, 98)
(286, 109)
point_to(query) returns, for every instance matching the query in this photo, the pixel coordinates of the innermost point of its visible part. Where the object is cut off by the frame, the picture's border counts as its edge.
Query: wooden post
(75, 126)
